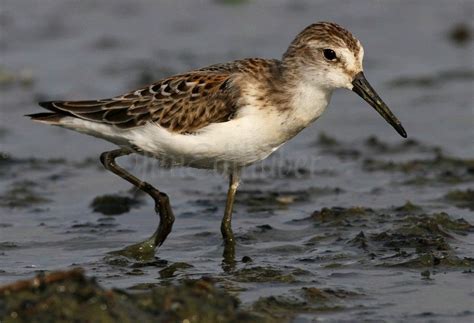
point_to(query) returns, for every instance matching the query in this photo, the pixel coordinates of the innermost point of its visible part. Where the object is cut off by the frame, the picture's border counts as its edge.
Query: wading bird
(224, 116)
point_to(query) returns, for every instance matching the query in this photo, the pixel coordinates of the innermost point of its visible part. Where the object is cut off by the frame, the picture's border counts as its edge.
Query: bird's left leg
(226, 227)
(145, 249)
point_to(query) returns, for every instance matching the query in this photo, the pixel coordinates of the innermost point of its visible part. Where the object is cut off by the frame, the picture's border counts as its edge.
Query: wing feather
(182, 104)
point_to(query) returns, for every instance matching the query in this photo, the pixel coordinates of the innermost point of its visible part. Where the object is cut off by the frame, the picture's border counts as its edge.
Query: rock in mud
(460, 34)
(114, 204)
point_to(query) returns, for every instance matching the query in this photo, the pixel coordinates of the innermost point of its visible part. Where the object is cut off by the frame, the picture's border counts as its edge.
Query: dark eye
(329, 54)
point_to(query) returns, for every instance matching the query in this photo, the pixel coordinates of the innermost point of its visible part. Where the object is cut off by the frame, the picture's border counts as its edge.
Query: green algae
(332, 146)
(13, 167)
(423, 241)
(411, 237)
(283, 169)
(401, 236)
(314, 240)
(280, 308)
(194, 301)
(433, 79)
(171, 270)
(439, 223)
(341, 216)
(256, 200)
(72, 297)
(360, 241)
(408, 207)
(316, 295)
(371, 145)
(333, 265)
(260, 274)
(23, 77)
(436, 170)
(435, 167)
(259, 200)
(141, 251)
(434, 259)
(375, 145)
(310, 300)
(325, 140)
(21, 195)
(7, 245)
(461, 198)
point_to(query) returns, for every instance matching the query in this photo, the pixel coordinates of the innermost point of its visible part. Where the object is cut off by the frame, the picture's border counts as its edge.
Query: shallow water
(50, 176)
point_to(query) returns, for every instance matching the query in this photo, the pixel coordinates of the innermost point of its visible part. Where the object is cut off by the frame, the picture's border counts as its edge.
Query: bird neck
(287, 95)
(306, 98)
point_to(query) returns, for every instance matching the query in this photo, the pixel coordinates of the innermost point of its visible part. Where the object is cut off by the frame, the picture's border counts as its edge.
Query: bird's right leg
(226, 227)
(145, 249)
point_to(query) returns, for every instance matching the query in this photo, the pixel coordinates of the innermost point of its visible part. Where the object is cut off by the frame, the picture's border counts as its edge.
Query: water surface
(84, 49)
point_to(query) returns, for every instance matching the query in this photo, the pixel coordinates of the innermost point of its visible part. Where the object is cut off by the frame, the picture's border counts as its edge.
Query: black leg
(146, 248)
(226, 225)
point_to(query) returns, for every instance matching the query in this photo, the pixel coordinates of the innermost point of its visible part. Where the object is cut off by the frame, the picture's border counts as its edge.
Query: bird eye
(329, 54)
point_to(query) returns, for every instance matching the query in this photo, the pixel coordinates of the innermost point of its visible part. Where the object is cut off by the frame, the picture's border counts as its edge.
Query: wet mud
(344, 223)
(428, 237)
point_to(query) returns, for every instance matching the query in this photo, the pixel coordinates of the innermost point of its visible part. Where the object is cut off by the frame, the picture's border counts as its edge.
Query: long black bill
(363, 88)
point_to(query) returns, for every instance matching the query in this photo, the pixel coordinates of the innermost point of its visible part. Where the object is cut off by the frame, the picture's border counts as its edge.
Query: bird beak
(362, 87)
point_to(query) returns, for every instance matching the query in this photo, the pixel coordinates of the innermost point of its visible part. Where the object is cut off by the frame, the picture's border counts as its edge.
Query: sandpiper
(224, 116)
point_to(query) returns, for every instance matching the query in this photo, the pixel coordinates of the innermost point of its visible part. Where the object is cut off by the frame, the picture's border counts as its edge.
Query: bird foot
(144, 250)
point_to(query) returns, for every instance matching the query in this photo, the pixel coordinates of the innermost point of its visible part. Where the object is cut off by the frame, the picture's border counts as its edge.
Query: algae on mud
(70, 296)
(402, 236)
(308, 300)
(22, 194)
(438, 170)
(461, 198)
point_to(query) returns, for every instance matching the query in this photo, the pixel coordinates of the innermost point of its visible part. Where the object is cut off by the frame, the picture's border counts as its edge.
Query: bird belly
(232, 144)
(244, 140)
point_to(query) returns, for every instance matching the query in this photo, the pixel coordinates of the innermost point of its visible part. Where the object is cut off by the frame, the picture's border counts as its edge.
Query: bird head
(329, 57)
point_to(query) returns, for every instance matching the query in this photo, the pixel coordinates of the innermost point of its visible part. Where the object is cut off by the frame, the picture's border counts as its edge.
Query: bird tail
(53, 118)
(47, 117)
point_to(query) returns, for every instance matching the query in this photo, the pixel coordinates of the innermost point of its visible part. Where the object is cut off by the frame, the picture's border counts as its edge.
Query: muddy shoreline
(344, 222)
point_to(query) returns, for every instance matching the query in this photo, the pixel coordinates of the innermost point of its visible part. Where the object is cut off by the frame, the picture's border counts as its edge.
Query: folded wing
(182, 104)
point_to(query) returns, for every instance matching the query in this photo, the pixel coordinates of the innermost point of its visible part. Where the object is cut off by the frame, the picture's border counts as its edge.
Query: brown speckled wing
(182, 103)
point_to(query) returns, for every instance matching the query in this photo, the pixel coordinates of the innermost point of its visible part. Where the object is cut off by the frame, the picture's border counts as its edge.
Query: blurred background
(92, 49)
(418, 56)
